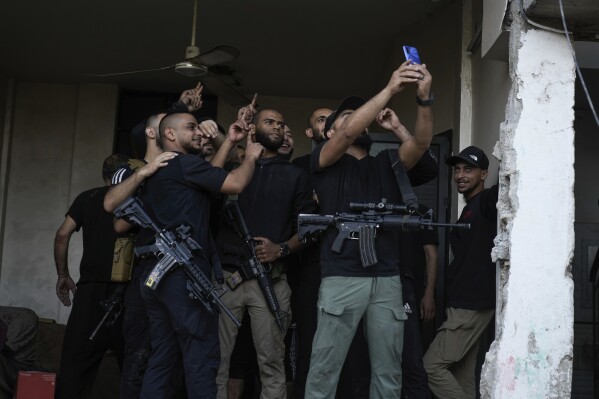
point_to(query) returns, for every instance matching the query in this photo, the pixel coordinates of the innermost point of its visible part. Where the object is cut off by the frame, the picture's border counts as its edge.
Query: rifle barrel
(456, 225)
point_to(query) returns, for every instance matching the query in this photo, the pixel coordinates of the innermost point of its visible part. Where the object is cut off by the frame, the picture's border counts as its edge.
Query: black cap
(351, 102)
(471, 155)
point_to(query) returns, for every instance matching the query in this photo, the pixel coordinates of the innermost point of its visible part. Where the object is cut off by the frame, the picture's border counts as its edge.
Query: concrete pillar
(532, 354)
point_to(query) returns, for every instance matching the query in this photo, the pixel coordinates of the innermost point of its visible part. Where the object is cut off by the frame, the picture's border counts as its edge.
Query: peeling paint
(532, 353)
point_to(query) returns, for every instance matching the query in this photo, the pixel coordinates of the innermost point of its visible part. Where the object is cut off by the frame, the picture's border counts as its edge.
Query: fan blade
(131, 72)
(218, 55)
(224, 91)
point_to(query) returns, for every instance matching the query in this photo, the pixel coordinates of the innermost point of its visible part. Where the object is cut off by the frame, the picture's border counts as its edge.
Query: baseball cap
(351, 102)
(471, 155)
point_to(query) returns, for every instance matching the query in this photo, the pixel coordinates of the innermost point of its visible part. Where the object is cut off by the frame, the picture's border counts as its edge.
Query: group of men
(171, 344)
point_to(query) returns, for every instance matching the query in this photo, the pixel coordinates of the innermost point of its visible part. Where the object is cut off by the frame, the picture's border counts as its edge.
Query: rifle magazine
(366, 243)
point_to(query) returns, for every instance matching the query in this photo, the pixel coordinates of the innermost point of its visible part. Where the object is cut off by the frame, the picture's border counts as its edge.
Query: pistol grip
(338, 243)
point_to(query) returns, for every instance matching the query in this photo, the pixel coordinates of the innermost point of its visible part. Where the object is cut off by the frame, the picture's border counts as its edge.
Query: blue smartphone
(411, 53)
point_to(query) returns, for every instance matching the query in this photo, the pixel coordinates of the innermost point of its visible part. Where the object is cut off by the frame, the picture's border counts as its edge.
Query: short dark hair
(113, 163)
(166, 121)
(257, 114)
(153, 122)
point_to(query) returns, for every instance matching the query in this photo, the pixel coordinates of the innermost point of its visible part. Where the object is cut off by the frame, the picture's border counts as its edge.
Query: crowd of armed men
(257, 275)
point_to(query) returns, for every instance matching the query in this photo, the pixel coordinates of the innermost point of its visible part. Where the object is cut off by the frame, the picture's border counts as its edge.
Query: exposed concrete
(532, 354)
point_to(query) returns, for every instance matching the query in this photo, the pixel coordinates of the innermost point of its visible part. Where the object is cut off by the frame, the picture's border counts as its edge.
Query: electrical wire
(567, 33)
(584, 85)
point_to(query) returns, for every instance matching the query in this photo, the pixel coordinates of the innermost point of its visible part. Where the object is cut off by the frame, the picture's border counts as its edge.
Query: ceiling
(305, 48)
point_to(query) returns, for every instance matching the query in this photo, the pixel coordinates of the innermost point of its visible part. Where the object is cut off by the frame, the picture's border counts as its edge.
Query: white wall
(60, 136)
(532, 353)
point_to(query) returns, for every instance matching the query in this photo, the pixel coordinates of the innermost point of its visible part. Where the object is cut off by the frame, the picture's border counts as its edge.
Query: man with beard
(315, 133)
(277, 193)
(211, 141)
(180, 193)
(343, 172)
(286, 149)
(469, 284)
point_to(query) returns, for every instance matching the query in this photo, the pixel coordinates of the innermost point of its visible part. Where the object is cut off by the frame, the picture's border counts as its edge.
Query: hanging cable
(567, 33)
(584, 85)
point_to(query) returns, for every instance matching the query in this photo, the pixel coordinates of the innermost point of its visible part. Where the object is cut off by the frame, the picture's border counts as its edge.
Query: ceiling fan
(198, 64)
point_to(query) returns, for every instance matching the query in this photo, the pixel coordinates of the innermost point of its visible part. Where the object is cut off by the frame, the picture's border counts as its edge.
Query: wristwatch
(284, 249)
(426, 103)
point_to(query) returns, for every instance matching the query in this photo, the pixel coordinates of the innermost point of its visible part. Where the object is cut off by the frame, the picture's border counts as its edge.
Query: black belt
(230, 268)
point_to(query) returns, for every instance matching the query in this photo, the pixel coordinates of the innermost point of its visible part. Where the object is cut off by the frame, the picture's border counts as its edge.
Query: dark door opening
(135, 106)
(435, 195)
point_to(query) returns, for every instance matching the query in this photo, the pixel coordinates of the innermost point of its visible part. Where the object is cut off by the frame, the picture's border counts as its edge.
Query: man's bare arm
(268, 251)
(239, 178)
(411, 150)
(238, 131)
(121, 226)
(127, 188)
(361, 118)
(427, 305)
(64, 283)
(388, 120)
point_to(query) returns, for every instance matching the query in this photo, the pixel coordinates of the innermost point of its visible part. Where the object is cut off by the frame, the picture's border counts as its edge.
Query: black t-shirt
(310, 255)
(412, 252)
(181, 193)
(470, 278)
(98, 235)
(303, 162)
(351, 180)
(276, 194)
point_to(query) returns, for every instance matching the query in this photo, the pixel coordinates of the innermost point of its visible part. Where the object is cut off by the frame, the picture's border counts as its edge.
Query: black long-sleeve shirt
(470, 278)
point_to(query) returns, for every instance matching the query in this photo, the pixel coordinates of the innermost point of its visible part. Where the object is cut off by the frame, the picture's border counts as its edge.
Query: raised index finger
(253, 103)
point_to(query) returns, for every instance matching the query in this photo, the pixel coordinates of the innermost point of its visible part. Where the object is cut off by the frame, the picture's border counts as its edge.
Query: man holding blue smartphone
(342, 172)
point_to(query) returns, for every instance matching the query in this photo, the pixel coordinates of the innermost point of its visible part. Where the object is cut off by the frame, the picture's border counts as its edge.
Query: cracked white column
(532, 354)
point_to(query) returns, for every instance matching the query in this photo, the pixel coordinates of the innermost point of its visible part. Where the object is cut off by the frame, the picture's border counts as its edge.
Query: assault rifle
(175, 247)
(363, 226)
(113, 307)
(255, 268)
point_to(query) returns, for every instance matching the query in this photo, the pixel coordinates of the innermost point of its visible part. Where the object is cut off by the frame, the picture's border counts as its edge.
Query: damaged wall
(532, 354)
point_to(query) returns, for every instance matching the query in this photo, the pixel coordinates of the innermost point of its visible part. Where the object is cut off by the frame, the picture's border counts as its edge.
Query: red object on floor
(35, 385)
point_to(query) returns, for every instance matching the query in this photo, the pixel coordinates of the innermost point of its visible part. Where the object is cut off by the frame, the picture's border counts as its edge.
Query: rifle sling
(407, 193)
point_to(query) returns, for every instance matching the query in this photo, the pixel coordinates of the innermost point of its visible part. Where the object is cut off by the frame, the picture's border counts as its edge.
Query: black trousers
(81, 358)
(180, 327)
(415, 379)
(136, 332)
(306, 314)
